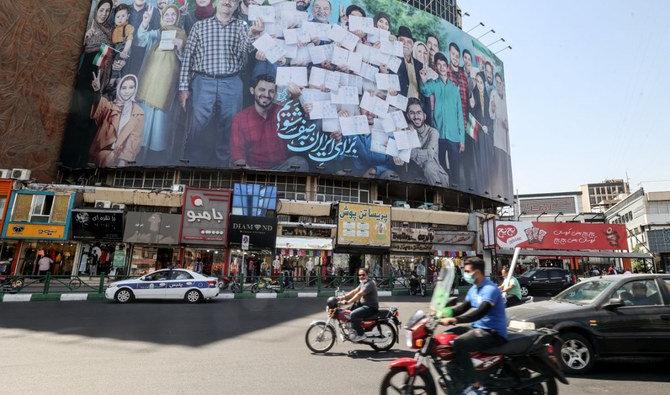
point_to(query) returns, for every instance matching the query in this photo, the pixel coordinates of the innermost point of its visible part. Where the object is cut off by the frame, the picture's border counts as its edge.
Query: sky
(588, 85)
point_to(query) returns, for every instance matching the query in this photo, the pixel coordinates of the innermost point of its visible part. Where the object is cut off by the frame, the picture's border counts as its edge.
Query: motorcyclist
(484, 306)
(365, 297)
(511, 288)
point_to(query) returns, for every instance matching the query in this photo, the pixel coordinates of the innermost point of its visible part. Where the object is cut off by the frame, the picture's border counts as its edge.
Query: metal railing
(56, 284)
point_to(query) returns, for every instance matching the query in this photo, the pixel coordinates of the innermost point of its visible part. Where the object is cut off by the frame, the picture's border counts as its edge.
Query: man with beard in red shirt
(253, 140)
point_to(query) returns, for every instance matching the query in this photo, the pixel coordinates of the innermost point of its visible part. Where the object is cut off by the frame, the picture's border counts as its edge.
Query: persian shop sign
(36, 231)
(560, 236)
(205, 218)
(364, 225)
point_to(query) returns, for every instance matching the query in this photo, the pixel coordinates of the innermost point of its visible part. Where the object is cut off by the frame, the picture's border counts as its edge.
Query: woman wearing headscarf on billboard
(479, 109)
(120, 123)
(79, 123)
(158, 85)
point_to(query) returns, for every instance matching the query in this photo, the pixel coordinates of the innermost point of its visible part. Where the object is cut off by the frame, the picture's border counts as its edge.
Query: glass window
(639, 293)
(556, 274)
(541, 275)
(157, 276)
(584, 292)
(180, 275)
(3, 202)
(41, 210)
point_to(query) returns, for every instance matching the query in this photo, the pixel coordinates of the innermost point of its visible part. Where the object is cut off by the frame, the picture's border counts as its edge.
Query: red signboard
(560, 236)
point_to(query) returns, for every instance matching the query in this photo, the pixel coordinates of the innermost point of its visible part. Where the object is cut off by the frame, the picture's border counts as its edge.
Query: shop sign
(262, 231)
(119, 260)
(36, 231)
(454, 237)
(411, 235)
(411, 247)
(151, 228)
(97, 225)
(364, 225)
(205, 216)
(302, 231)
(659, 240)
(560, 235)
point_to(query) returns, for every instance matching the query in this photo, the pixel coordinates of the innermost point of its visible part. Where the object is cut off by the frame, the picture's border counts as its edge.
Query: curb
(77, 297)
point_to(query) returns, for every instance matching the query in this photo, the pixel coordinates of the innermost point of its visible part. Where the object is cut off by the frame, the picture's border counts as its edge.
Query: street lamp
(520, 214)
(538, 217)
(490, 31)
(558, 215)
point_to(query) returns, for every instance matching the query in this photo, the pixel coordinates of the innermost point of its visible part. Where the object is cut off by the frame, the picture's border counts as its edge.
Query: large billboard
(365, 88)
(560, 235)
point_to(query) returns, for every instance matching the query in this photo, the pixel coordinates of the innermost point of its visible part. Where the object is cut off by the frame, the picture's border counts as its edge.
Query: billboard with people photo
(363, 88)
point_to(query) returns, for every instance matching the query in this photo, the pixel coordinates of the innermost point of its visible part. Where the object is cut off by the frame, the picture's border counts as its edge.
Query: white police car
(165, 284)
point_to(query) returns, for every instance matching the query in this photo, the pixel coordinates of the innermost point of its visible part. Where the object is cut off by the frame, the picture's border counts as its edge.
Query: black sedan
(544, 280)
(607, 316)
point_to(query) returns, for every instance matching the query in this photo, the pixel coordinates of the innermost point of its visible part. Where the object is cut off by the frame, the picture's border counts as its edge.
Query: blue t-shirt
(495, 319)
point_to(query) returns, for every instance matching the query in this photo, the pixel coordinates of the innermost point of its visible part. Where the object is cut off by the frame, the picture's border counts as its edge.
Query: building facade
(600, 196)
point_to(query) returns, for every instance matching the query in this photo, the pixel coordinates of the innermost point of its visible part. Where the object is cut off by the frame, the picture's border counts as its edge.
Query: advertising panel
(36, 231)
(151, 228)
(261, 232)
(659, 240)
(364, 225)
(561, 235)
(205, 216)
(552, 205)
(389, 92)
(97, 225)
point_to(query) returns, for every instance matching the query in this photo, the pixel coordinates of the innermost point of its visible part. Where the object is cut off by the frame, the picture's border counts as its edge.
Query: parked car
(544, 280)
(607, 316)
(165, 284)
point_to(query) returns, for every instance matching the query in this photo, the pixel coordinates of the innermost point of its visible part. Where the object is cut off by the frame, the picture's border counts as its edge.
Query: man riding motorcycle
(484, 306)
(365, 298)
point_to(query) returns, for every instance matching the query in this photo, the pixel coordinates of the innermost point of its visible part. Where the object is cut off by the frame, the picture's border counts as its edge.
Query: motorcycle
(232, 282)
(525, 364)
(417, 285)
(381, 331)
(268, 284)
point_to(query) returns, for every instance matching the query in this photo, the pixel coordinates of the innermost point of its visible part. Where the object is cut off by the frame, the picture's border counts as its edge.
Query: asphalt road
(230, 347)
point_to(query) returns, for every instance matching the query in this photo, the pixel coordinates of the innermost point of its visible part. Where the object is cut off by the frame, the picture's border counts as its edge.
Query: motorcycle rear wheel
(398, 381)
(318, 333)
(386, 329)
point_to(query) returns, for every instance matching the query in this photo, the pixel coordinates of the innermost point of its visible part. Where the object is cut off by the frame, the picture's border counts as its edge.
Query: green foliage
(420, 22)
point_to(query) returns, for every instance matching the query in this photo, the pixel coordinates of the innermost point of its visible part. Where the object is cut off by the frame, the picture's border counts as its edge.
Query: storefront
(8, 249)
(40, 222)
(410, 246)
(154, 239)
(305, 249)
(363, 237)
(204, 230)
(252, 244)
(99, 234)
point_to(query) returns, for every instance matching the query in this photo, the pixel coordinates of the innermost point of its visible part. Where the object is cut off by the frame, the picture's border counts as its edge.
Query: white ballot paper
(391, 148)
(398, 101)
(317, 77)
(405, 155)
(340, 57)
(302, 55)
(384, 125)
(354, 62)
(378, 142)
(330, 125)
(359, 23)
(265, 13)
(296, 75)
(315, 30)
(401, 139)
(377, 35)
(337, 33)
(167, 40)
(365, 51)
(350, 41)
(354, 125)
(413, 137)
(387, 82)
(273, 49)
(320, 53)
(374, 104)
(291, 51)
(313, 95)
(273, 2)
(323, 109)
(378, 58)
(368, 72)
(345, 95)
(332, 80)
(394, 64)
(398, 118)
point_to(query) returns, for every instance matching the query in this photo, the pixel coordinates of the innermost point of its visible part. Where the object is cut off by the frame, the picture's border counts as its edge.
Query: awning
(429, 216)
(312, 209)
(566, 253)
(304, 243)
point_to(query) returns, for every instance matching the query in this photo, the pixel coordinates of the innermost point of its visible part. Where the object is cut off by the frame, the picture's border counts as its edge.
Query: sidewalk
(287, 294)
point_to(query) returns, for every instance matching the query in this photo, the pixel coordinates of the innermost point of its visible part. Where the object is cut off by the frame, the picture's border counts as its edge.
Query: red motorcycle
(524, 365)
(381, 331)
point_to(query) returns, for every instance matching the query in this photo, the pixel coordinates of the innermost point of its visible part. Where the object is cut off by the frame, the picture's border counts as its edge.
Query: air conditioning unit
(377, 202)
(5, 173)
(118, 206)
(300, 196)
(103, 204)
(400, 203)
(320, 197)
(178, 188)
(21, 174)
